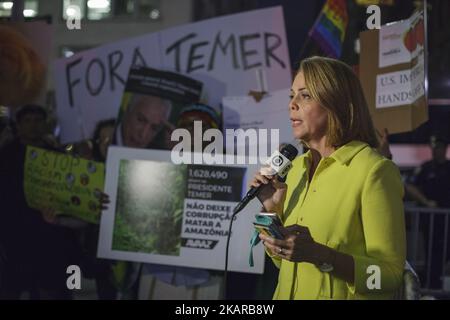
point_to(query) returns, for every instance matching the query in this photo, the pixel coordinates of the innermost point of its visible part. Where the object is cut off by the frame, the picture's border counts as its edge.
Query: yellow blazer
(354, 205)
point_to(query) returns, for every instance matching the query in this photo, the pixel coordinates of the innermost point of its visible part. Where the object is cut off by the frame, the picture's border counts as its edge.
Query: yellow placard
(69, 184)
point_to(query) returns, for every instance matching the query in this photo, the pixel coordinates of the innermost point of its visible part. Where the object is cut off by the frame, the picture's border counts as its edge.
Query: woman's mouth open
(296, 122)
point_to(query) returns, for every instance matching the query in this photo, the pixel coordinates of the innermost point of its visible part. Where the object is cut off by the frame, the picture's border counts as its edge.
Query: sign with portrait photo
(150, 106)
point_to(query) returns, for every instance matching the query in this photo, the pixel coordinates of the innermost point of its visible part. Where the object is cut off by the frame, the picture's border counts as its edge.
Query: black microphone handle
(250, 195)
(253, 192)
(241, 205)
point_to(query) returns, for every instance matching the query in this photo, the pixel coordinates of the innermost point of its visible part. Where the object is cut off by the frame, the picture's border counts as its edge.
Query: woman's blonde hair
(334, 85)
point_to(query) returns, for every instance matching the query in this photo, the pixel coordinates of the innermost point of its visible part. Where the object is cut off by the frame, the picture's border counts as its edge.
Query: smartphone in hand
(269, 224)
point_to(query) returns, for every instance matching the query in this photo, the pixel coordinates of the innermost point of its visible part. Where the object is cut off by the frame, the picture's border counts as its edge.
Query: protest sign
(272, 112)
(66, 183)
(392, 73)
(150, 107)
(401, 41)
(176, 214)
(224, 53)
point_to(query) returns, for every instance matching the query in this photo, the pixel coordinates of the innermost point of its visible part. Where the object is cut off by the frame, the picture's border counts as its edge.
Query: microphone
(280, 163)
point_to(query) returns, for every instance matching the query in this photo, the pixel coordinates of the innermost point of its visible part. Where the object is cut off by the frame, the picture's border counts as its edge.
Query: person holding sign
(341, 205)
(99, 269)
(87, 231)
(180, 282)
(37, 253)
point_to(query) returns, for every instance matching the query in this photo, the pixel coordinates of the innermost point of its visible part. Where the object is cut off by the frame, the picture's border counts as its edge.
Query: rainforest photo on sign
(149, 208)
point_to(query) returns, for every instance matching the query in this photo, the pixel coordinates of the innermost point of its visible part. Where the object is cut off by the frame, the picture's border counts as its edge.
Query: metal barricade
(427, 238)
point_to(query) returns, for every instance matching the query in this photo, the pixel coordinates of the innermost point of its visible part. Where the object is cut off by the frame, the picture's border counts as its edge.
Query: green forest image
(149, 208)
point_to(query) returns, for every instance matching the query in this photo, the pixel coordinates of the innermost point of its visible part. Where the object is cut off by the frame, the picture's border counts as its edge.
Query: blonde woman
(341, 204)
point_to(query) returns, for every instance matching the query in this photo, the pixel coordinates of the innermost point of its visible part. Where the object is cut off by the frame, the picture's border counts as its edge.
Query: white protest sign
(401, 41)
(401, 87)
(224, 53)
(176, 214)
(231, 50)
(272, 112)
(89, 85)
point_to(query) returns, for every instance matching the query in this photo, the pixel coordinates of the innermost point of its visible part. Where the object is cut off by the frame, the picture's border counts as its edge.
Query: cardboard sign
(223, 53)
(401, 41)
(392, 74)
(63, 182)
(176, 214)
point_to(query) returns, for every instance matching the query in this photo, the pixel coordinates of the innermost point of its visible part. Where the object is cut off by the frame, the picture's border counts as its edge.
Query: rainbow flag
(329, 29)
